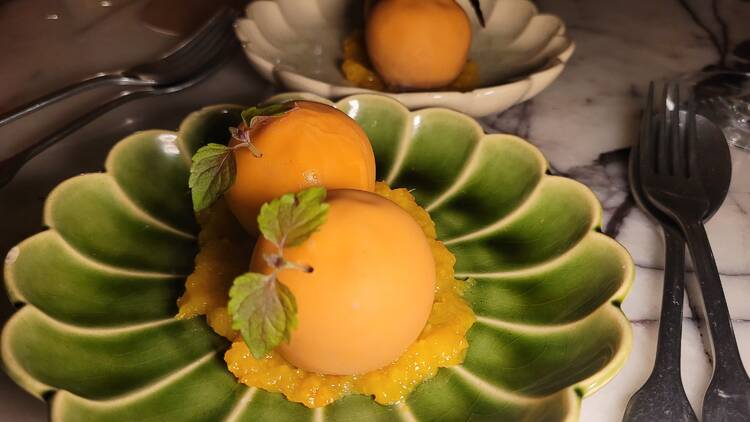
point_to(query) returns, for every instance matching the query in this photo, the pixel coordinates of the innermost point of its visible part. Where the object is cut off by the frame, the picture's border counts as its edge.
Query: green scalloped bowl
(97, 339)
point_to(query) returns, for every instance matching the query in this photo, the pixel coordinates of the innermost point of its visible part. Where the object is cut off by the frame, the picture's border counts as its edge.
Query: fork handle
(728, 395)
(11, 165)
(668, 349)
(100, 79)
(662, 397)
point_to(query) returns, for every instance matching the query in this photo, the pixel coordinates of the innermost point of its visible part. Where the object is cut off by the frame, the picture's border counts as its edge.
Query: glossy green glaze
(96, 336)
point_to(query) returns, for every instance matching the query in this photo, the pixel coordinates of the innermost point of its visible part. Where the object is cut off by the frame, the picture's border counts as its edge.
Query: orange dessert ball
(418, 43)
(371, 290)
(311, 145)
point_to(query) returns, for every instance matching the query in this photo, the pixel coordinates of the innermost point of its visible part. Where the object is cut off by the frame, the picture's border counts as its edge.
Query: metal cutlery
(176, 67)
(662, 397)
(194, 71)
(673, 182)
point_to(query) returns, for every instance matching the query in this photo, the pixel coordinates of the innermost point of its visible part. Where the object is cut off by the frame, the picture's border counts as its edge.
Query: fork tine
(189, 53)
(212, 28)
(208, 64)
(646, 141)
(690, 138)
(181, 67)
(206, 47)
(675, 163)
(215, 49)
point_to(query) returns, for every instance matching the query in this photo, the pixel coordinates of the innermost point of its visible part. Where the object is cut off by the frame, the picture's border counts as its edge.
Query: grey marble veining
(583, 123)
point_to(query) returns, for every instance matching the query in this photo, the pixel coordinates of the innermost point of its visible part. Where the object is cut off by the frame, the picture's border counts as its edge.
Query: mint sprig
(214, 168)
(266, 310)
(263, 309)
(291, 219)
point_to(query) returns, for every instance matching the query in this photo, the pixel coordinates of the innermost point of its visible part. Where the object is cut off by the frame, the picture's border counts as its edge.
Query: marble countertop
(583, 123)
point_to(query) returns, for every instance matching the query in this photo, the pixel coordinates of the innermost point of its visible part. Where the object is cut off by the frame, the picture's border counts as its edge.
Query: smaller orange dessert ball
(311, 145)
(418, 43)
(371, 290)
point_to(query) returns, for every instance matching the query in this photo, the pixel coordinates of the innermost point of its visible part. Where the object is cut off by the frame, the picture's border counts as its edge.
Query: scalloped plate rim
(580, 390)
(528, 81)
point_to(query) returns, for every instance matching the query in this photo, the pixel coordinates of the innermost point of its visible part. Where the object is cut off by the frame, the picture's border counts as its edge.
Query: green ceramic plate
(97, 339)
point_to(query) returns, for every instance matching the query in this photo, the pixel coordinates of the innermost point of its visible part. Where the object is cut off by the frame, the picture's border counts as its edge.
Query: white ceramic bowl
(298, 44)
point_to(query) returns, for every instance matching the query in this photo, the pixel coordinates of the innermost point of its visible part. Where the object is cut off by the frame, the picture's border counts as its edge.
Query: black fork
(176, 67)
(662, 397)
(221, 49)
(671, 180)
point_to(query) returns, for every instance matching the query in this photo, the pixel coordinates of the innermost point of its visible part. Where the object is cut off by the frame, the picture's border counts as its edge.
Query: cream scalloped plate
(96, 337)
(298, 44)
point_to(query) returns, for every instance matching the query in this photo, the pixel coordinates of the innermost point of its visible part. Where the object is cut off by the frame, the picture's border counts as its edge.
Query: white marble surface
(591, 110)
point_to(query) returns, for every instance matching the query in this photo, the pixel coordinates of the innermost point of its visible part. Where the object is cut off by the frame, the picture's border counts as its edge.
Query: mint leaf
(270, 216)
(211, 174)
(263, 311)
(289, 303)
(266, 111)
(291, 219)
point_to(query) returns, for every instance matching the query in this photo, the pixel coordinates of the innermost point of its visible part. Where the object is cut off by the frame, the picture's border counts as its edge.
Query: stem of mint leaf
(242, 134)
(478, 11)
(278, 261)
(262, 308)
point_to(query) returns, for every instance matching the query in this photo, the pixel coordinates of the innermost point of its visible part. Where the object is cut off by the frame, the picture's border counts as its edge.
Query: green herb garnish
(291, 219)
(254, 113)
(212, 173)
(262, 308)
(214, 169)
